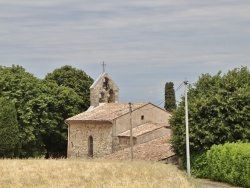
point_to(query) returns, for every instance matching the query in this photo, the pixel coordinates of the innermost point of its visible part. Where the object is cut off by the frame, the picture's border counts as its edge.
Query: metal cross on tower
(103, 67)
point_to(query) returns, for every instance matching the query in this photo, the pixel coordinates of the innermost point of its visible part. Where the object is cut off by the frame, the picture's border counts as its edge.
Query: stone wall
(153, 135)
(124, 142)
(79, 133)
(149, 113)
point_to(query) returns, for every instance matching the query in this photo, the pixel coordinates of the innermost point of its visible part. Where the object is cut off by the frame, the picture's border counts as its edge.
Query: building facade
(104, 128)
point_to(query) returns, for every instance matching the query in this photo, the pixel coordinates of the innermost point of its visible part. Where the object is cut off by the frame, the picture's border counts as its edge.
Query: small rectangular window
(142, 117)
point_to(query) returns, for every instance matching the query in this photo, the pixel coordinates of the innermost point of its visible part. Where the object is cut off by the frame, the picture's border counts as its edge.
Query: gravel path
(210, 184)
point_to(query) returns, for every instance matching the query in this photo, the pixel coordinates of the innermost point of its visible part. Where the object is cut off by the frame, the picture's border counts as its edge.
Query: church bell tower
(103, 90)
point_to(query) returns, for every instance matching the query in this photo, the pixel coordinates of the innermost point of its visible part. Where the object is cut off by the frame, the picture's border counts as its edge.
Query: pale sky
(145, 43)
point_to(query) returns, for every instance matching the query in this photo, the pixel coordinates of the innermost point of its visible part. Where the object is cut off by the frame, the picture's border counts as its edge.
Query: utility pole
(131, 134)
(187, 129)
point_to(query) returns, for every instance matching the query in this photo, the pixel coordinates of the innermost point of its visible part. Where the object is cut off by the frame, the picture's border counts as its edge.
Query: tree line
(219, 126)
(218, 110)
(33, 110)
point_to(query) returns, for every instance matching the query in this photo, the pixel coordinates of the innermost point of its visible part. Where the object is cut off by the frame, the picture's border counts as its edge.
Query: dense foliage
(73, 78)
(198, 163)
(62, 103)
(8, 128)
(218, 112)
(230, 163)
(170, 102)
(42, 106)
(26, 92)
(227, 163)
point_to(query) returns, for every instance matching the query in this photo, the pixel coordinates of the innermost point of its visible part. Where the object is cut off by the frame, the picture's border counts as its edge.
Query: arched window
(90, 145)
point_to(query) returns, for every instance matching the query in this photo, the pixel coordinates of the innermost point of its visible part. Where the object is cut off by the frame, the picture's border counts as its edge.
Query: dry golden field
(91, 174)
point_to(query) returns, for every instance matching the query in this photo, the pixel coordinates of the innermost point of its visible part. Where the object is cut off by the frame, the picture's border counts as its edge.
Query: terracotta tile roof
(154, 150)
(106, 112)
(144, 128)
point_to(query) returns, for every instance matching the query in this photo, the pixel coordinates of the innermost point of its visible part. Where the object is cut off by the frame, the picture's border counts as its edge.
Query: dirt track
(210, 184)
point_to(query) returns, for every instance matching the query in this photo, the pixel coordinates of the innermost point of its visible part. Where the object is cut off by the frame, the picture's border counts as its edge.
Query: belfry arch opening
(102, 97)
(90, 147)
(105, 84)
(111, 96)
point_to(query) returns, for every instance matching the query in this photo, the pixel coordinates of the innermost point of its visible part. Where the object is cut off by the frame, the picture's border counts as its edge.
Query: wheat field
(91, 174)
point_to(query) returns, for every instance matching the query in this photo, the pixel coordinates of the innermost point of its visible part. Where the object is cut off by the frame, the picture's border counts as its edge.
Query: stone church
(103, 131)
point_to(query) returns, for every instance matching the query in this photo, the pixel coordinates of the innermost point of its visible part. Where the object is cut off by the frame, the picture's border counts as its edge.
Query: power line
(180, 86)
(163, 100)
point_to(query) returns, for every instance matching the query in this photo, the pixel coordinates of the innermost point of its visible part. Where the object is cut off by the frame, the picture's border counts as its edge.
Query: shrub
(199, 165)
(230, 163)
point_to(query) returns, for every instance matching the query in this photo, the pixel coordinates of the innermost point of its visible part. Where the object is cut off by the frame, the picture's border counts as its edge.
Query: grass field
(91, 173)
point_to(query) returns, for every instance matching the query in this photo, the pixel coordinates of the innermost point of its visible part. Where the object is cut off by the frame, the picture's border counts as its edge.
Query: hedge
(229, 163)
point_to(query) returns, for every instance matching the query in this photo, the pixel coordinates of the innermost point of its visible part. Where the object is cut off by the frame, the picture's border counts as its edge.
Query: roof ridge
(107, 111)
(97, 80)
(143, 128)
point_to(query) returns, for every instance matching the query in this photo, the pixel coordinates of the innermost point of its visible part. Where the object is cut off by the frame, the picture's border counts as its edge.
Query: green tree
(170, 102)
(28, 94)
(42, 106)
(8, 128)
(63, 102)
(218, 112)
(73, 78)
